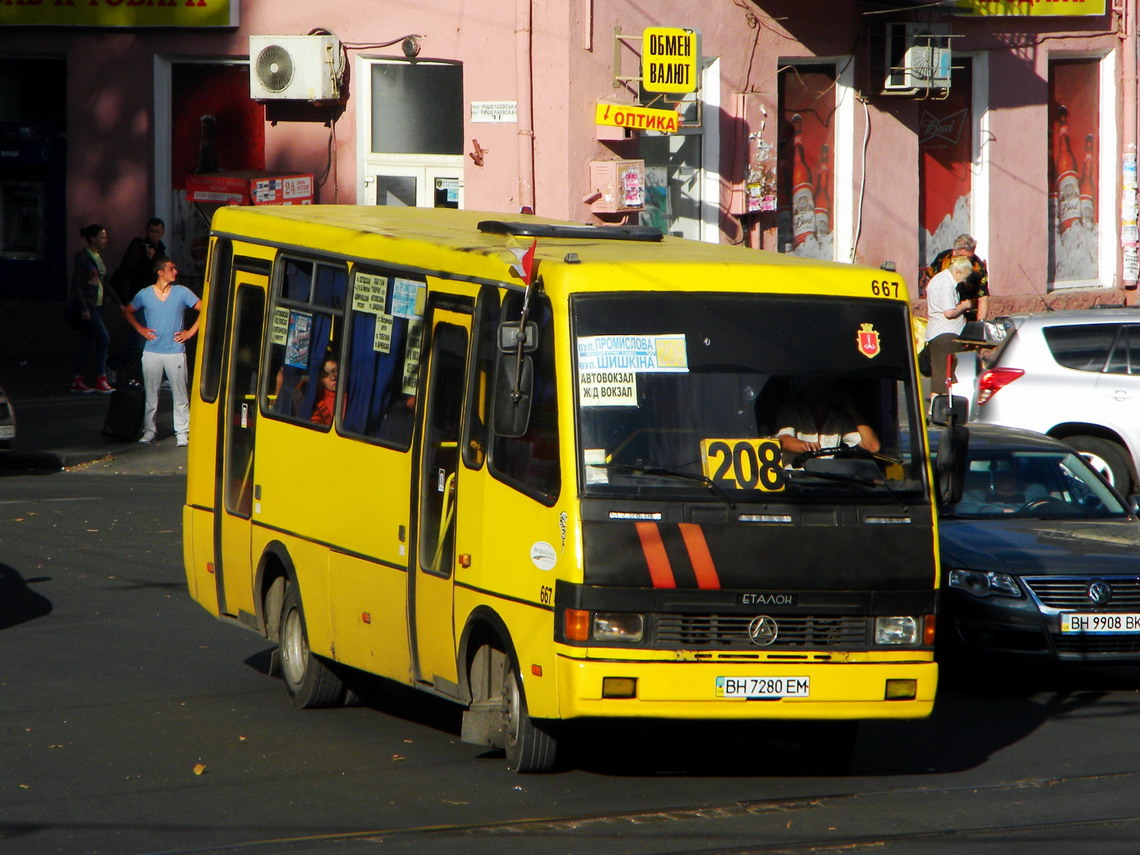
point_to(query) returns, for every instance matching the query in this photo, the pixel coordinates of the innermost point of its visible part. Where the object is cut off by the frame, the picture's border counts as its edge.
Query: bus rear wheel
(528, 748)
(309, 680)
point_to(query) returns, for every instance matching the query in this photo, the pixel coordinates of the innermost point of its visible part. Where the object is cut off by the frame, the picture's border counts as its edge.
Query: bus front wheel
(309, 680)
(528, 748)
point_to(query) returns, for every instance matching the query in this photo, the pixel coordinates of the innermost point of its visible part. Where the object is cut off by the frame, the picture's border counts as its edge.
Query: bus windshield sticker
(370, 293)
(408, 297)
(280, 325)
(607, 389)
(297, 341)
(595, 460)
(412, 358)
(382, 336)
(643, 353)
(743, 464)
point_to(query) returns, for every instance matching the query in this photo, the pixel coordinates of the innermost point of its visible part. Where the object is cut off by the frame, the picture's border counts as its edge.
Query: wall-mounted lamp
(410, 46)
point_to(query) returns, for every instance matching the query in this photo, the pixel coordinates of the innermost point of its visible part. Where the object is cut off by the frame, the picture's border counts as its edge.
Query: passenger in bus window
(821, 417)
(325, 405)
(398, 419)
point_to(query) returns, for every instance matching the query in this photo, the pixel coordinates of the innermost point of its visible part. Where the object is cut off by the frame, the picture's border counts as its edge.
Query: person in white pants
(163, 306)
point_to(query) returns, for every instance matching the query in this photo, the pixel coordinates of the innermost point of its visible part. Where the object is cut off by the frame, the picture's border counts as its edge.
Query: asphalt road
(133, 722)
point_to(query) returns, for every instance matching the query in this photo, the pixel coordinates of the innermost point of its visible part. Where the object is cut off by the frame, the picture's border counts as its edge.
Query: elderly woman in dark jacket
(88, 295)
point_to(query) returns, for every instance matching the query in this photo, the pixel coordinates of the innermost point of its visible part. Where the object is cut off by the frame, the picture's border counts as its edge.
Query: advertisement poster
(945, 152)
(215, 127)
(806, 140)
(298, 339)
(1074, 105)
(1033, 8)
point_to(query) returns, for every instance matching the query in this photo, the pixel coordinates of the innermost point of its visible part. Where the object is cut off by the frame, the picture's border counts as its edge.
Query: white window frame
(425, 167)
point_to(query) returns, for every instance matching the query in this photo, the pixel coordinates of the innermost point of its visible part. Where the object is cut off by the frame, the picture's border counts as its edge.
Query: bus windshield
(754, 398)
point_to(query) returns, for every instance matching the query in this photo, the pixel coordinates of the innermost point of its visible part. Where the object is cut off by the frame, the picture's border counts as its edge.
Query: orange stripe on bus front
(698, 548)
(660, 571)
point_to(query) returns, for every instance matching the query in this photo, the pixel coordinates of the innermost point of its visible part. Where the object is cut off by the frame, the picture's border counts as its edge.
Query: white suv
(1075, 376)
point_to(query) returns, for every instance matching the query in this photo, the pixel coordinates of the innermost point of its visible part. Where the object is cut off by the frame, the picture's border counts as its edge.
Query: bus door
(235, 488)
(437, 502)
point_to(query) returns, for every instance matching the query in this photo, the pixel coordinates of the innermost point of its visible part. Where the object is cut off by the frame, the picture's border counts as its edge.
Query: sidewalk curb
(54, 461)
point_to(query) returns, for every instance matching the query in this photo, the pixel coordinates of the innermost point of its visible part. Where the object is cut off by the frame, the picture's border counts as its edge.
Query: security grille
(1072, 592)
(703, 631)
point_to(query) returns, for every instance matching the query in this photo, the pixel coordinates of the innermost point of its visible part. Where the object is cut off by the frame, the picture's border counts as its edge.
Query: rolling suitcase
(125, 414)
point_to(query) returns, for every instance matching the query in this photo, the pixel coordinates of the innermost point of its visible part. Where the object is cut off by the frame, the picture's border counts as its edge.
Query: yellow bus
(550, 472)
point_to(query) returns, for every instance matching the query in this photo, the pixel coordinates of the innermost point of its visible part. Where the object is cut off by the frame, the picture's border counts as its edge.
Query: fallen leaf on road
(199, 768)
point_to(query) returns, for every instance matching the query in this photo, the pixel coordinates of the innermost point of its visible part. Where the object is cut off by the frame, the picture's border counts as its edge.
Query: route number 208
(743, 464)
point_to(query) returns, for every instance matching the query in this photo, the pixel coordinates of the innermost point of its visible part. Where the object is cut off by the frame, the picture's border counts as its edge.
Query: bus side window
(378, 379)
(481, 378)
(217, 309)
(307, 328)
(530, 463)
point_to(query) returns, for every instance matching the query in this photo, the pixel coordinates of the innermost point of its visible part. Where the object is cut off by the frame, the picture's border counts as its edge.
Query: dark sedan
(1040, 557)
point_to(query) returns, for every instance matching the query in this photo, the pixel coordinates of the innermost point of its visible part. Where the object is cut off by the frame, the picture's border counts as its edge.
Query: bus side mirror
(512, 411)
(510, 337)
(950, 464)
(949, 410)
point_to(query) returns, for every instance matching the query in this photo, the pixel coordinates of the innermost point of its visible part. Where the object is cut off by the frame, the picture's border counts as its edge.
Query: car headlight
(618, 627)
(896, 630)
(984, 583)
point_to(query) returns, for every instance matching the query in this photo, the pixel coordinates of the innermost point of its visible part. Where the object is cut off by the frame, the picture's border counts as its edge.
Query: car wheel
(309, 680)
(1107, 457)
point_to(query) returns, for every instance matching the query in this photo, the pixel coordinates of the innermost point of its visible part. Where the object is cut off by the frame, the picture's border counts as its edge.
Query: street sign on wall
(117, 13)
(1034, 8)
(669, 59)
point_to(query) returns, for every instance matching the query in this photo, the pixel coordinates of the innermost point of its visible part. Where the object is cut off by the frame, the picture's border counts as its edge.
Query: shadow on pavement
(18, 602)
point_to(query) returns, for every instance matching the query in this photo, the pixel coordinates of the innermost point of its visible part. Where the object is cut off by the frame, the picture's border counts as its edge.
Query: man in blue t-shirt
(163, 305)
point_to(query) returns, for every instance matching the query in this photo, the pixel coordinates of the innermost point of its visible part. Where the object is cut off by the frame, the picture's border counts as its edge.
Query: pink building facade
(856, 131)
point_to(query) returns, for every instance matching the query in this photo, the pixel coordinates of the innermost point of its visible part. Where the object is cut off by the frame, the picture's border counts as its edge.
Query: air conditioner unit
(917, 56)
(296, 68)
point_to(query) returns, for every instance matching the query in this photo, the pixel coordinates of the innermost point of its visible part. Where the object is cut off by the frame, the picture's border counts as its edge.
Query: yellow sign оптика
(639, 118)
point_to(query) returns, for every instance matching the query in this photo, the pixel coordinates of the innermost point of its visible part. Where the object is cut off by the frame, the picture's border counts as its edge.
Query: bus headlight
(896, 630)
(984, 583)
(617, 626)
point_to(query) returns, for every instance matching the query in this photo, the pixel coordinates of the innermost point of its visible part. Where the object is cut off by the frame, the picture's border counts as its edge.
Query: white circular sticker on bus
(543, 556)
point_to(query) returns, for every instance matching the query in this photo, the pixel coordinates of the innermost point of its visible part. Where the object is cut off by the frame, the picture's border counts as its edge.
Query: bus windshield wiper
(660, 471)
(853, 479)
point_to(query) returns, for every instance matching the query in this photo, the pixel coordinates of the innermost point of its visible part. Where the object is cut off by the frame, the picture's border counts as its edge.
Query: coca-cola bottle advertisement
(1074, 107)
(214, 127)
(945, 141)
(805, 218)
(1073, 137)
